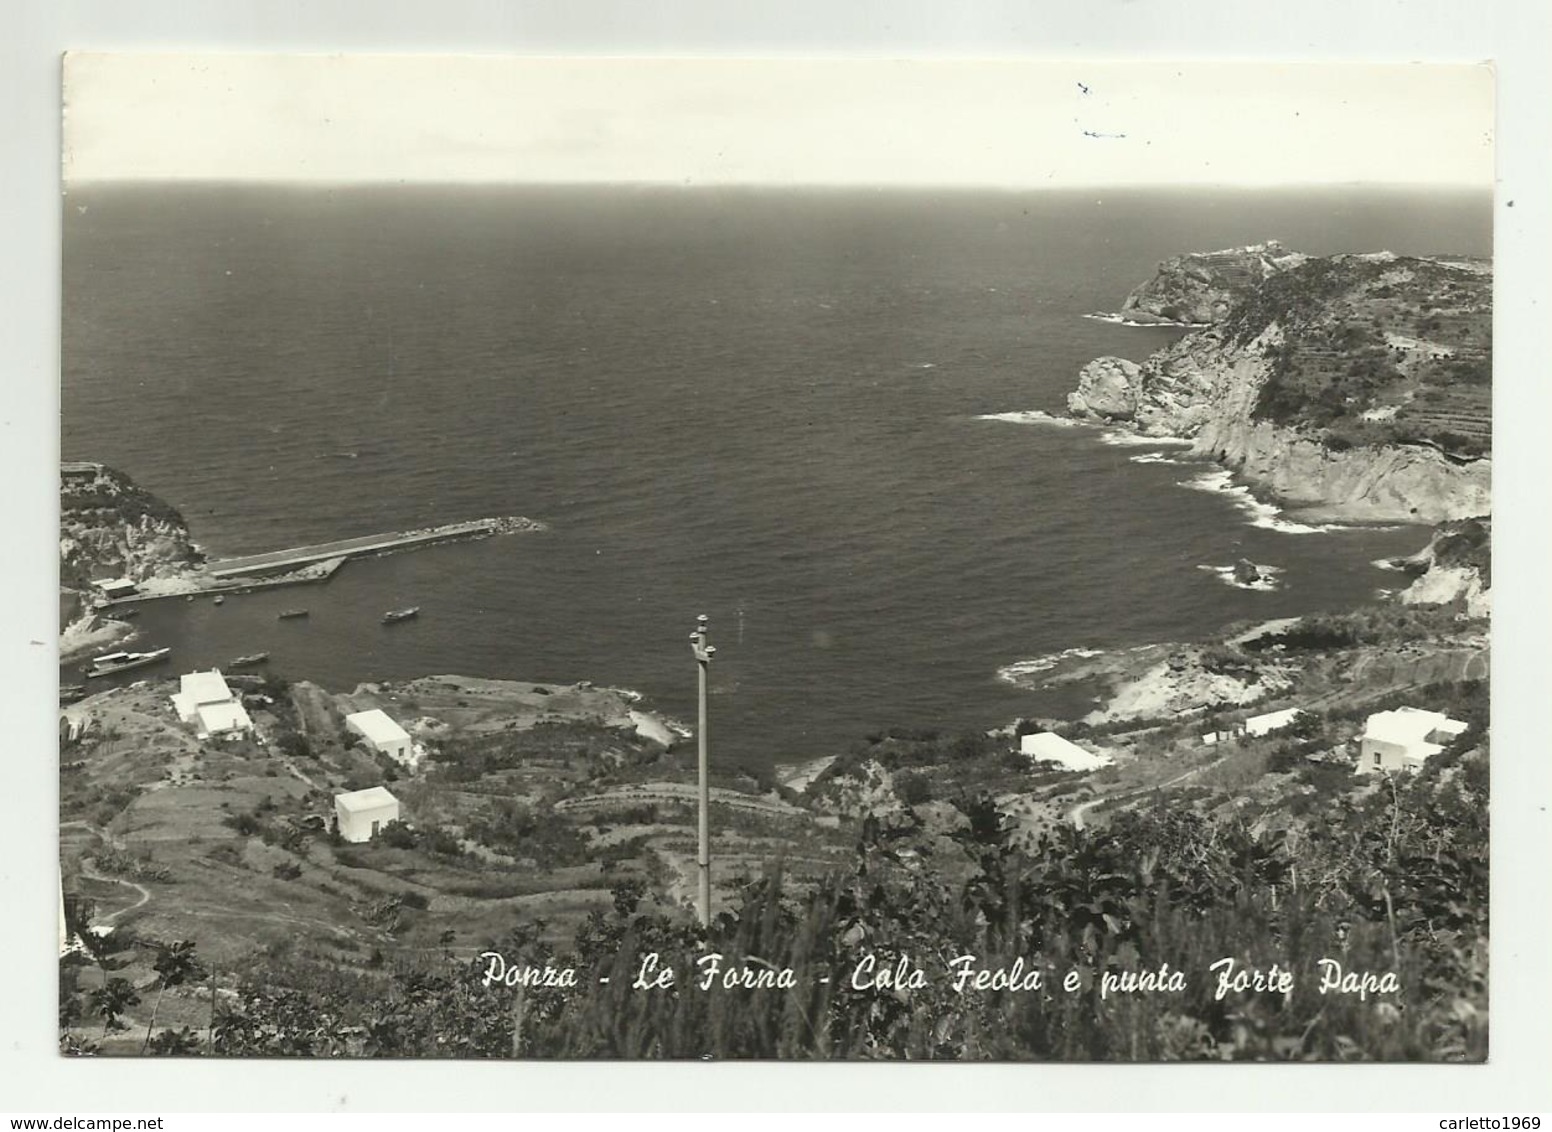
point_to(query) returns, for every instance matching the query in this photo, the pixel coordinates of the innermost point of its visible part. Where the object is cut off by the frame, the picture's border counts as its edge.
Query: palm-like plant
(176, 963)
(111, 1000)
(174, 1043)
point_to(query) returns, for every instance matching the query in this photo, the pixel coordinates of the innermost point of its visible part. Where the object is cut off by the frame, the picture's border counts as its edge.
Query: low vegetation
(1377, 351)
(1392, 881)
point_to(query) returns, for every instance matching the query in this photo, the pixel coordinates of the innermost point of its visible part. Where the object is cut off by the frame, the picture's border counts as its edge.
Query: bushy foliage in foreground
(1394, 882)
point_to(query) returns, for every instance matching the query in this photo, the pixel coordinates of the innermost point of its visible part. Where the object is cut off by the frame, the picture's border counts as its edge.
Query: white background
(1516, 35)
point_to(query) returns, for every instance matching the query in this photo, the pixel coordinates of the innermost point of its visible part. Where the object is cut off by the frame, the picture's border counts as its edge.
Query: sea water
(823, 418)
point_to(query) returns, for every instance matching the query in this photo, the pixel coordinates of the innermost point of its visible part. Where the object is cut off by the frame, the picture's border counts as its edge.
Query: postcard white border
(1513, 33)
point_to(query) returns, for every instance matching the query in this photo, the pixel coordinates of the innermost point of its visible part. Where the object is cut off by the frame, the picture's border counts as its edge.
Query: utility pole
(703, 654)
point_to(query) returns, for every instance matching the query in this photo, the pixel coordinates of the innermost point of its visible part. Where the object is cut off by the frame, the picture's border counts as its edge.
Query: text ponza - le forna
(963, 974)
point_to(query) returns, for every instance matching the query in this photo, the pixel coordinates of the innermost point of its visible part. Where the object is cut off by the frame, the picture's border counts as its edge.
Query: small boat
(70, 693)
(125, 614)
(110, 663)
(286, 614)
(393, 616)
(249, 661)
(217, 600)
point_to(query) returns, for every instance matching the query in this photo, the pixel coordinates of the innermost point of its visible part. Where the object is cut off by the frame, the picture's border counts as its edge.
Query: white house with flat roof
(1271, 721)
(1257, 725)
(115, 587)
(204, 700)
(378, 730)
(1049, 747)
(362, 814)
(1404, 739)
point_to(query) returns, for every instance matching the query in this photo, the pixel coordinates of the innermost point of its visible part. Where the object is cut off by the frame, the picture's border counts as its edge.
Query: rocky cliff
(1359, 386)
(1202, 287)
(1454, 568)
(110, 528)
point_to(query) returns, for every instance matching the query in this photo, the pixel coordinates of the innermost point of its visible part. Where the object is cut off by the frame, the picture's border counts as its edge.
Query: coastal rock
(1356, 387)
(1246, 572)
(1203, 287)
(1454, 568)
(1371, 484)
(1448, 585)
(1108, 389)
(1187, 683)
(650, 727)
(868, 789)
(110, 527)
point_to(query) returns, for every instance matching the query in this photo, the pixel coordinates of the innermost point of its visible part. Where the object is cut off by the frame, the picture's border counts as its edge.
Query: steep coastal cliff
(109, 528)
(1354, 386)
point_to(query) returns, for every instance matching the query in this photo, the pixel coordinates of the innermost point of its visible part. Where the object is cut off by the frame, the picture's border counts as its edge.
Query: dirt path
(295, 770)
(1126, 797)
(675, 793)
(312, 710)
(108, 920)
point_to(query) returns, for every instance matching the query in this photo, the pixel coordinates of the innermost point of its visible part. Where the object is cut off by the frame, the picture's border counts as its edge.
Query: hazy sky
(483, 118)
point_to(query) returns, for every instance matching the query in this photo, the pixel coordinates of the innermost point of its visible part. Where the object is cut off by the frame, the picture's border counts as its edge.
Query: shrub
(913, 788)
(294, 745)
(245, 825)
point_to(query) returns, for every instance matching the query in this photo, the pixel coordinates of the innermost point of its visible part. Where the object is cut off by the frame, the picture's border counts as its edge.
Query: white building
(72, 726)
(363, 813)
(1256, 725)
(1271, 721)
(1404, 739)
(115, 587)
(382, 734)
(204, 700)
(1047, 746)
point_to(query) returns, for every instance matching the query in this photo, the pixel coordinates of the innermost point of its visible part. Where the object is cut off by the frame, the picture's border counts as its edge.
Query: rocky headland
(1202, 287)
(1355, 387)
(109, 527)
(1455, 568)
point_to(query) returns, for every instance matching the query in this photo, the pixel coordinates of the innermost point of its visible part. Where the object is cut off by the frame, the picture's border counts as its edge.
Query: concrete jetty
(314, 563)
(284, 561)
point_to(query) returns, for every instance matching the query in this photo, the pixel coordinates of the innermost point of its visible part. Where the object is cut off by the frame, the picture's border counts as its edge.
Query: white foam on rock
(1012, 673)
(1120, 438)
(1033, 416)
(1266, 583)
(1260, 514)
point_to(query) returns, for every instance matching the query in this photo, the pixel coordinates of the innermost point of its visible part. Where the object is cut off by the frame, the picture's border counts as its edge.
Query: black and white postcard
(785, 560)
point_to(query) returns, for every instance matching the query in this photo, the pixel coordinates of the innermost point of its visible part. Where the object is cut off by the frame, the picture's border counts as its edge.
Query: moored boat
(109, 663)
(286, 614)
(396, 615)
(249, 661)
